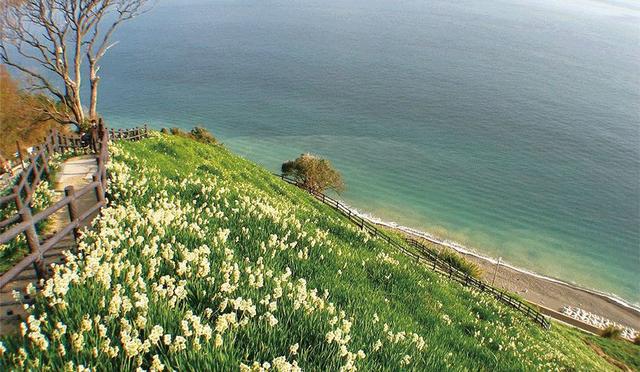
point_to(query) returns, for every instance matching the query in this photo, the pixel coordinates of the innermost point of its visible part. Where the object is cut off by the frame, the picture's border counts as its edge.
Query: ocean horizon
(512, 129)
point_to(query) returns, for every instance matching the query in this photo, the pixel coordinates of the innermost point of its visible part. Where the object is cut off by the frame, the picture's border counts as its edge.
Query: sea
(509, 127)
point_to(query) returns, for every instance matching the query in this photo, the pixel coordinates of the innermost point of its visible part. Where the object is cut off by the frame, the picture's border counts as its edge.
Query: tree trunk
(73, 101)
(77, 68)
(93, 103)
(78, 111)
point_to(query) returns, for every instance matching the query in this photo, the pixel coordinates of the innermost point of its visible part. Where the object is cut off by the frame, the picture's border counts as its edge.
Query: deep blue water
(512, 127)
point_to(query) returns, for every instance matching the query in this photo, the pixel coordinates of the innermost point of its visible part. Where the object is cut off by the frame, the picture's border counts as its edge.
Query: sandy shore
(555, 295)
(549, 293)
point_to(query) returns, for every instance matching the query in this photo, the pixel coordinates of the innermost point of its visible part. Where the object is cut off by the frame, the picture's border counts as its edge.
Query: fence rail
(24, 222)
(39, 168)
(427, 257)
(132, 134)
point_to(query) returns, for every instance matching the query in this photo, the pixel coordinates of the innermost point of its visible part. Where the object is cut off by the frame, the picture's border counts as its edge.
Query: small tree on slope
(314, 173)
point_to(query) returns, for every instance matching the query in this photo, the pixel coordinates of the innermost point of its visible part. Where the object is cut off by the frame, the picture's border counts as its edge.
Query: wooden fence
(428, 258)
(133, 134)
(24, 222)
(39, 168)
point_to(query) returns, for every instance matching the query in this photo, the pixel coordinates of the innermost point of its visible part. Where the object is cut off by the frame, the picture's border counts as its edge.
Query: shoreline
(536, 288)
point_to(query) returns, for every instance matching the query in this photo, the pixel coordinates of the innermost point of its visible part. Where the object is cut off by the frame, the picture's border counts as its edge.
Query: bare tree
(48, 40)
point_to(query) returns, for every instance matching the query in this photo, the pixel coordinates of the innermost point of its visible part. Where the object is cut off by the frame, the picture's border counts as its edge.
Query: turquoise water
(511, 127)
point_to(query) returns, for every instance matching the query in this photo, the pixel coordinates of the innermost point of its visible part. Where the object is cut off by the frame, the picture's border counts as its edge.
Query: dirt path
(75, 172)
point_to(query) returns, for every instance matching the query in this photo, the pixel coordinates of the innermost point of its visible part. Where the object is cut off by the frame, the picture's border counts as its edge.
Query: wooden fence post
(32, 241)
(18, 199)
(36, 171)
(69, 192)
(102, 170)
(92, 138)
(48, 142)
(54, 139)
(45, 163)
(99, 190)
(20, 154)
(27, 188)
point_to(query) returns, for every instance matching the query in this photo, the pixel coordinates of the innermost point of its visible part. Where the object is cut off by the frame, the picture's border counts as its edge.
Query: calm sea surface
(512, 127)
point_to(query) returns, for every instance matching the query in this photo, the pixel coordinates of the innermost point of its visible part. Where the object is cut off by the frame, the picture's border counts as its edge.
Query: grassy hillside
(204, 261)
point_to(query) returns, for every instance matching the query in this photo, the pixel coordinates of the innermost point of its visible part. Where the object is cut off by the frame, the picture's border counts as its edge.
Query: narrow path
(75, 172)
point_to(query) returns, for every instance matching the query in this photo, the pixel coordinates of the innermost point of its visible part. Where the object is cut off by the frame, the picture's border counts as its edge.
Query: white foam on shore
(468, 251)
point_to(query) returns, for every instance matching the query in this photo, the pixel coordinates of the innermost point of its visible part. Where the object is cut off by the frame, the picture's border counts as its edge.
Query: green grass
(451, 257)
(623, 351)
(195, 235)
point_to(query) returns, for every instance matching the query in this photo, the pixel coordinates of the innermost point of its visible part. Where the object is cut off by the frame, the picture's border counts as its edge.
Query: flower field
(204, 261)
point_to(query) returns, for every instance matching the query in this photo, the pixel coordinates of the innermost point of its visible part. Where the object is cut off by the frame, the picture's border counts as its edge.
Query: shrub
(611, 332)
(21, 117)
(202, 135)
(177, 132)
(199, 134)
(314, 173)
(460, 263)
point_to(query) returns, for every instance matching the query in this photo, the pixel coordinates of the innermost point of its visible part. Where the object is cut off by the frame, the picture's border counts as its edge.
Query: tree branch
(55, 35)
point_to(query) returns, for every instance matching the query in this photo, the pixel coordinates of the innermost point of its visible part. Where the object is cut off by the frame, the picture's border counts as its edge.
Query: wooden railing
(133, 134)
(38, 168)
(25, 223)
(428, 258)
